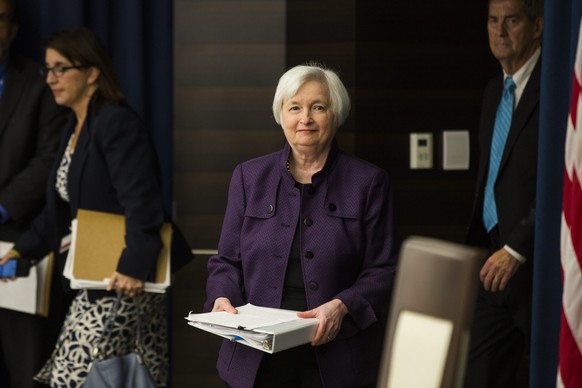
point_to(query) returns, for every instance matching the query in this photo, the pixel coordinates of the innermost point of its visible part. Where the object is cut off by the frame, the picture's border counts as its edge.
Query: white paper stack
(29, 294)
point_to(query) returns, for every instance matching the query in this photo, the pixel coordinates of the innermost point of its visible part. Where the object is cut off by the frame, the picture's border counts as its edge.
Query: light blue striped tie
(500, 131)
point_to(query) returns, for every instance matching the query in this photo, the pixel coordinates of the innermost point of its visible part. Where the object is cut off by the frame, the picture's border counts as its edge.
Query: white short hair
(296, 77)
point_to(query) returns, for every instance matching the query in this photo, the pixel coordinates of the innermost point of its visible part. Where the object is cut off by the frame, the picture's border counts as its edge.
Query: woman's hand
(223, 304)
(7, 256)
(125, 285)
(330, 317)
(11, 254)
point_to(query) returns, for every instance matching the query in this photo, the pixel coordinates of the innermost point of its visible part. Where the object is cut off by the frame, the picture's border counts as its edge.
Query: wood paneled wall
(325, 32)
(409, 65)
(228, 57)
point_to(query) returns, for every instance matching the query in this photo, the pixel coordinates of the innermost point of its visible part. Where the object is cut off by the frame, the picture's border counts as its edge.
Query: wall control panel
(456, 150)
(421, 150)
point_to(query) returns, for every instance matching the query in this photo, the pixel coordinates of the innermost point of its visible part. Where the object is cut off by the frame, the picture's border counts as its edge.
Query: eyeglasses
(58, 70)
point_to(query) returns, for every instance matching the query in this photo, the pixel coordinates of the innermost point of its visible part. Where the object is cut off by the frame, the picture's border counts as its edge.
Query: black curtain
(137, 35)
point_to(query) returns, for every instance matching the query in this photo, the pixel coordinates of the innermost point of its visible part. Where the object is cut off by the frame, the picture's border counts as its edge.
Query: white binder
(267, 329)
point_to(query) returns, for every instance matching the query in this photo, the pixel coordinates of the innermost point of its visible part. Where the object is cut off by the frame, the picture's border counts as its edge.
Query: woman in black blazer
(106, 162)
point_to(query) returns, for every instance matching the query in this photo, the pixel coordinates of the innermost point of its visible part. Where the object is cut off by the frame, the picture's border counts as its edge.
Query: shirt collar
(522, 75)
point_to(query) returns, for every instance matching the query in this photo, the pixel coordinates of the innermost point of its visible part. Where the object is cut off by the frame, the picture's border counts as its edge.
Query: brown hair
(82, 48)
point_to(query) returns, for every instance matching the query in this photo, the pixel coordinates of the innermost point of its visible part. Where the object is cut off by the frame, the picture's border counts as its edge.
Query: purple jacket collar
(317, 177)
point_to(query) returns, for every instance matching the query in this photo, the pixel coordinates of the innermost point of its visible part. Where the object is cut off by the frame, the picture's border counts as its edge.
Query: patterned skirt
(71, 358)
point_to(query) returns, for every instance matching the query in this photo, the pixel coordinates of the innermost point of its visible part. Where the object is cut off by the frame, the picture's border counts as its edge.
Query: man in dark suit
(504, 212)
(30, 125)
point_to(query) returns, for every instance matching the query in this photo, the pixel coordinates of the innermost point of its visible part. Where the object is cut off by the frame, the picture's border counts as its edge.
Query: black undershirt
(294, 289)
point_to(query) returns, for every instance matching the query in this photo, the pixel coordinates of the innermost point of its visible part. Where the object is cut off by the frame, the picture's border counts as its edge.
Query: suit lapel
(78, 164)
(527, 106)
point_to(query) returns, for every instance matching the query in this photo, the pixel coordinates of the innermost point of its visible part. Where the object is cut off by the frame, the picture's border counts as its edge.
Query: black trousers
(27, 341)
(25, 347)
(497, 347)
(292, 368)
(500, 333)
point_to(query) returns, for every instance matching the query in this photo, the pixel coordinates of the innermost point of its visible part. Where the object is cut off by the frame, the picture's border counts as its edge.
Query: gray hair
(296, 77)
(533, 8)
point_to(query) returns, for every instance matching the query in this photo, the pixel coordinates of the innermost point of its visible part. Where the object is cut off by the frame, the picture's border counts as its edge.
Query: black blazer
(30, 127)
(113, 169)
(515, 188)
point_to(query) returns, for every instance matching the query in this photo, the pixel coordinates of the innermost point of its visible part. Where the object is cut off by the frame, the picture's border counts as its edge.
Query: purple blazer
(347, 252)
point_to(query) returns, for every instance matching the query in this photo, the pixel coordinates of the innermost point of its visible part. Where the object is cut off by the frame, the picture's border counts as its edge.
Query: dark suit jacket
(515, 188)
(113, 169)
(30, 127)
(516, 181)
(349, 246)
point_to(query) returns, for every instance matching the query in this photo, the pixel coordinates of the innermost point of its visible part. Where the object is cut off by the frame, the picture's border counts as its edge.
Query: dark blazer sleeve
(54, 221)
(367, 296)
(30, 124)
(115, 170)
(225, 276)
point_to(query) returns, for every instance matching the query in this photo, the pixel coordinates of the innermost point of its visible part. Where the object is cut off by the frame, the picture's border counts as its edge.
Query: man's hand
(498, 269)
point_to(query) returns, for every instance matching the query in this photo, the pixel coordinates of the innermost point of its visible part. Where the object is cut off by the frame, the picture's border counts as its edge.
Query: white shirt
(522, 76)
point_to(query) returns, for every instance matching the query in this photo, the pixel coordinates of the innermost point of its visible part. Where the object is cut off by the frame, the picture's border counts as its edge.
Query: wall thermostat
(421, 153)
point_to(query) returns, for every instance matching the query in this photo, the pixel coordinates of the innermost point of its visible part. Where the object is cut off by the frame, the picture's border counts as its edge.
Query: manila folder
(99, 240)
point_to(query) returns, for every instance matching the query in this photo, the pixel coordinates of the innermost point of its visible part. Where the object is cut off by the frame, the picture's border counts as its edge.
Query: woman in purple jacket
(307, 228)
